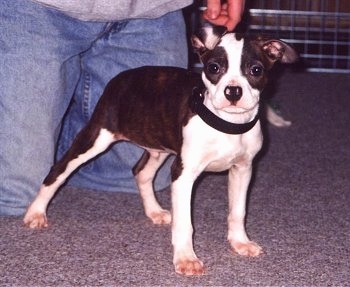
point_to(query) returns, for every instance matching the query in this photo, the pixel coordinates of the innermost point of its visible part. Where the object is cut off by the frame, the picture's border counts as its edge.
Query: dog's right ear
(207, 38)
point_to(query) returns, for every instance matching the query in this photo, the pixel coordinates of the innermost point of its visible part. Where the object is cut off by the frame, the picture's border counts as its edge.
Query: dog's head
(235, 69)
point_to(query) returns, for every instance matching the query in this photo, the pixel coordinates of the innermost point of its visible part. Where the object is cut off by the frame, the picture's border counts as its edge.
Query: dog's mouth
(234, 109)
(241, 112)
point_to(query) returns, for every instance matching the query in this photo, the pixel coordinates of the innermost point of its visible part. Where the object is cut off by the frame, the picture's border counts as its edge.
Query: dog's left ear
(207, 38)
(277, 50)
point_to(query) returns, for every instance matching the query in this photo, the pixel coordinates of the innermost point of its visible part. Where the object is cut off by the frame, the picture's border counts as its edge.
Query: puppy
(209, 121)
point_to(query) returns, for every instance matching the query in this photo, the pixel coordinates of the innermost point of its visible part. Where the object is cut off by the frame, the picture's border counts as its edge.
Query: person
(227, 14)
(56, 56)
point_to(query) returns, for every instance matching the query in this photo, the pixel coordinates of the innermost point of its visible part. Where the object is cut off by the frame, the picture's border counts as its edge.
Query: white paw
(162, 217)
(189, 267)
(249, 248)
(35, 220)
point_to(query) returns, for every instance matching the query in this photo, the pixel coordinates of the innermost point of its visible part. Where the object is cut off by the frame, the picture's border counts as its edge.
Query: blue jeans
(52, 67)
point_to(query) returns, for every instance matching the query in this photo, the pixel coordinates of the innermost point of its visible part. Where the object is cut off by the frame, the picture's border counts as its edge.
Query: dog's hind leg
(144, 172)
(89, 143)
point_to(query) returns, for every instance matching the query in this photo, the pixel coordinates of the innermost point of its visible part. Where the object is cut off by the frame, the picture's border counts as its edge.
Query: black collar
(197, 106)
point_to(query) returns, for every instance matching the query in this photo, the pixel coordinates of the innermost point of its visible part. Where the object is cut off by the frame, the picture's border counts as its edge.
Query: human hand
(228, 14)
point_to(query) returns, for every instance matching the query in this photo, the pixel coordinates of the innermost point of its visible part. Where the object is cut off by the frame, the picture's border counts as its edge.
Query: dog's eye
(256, 70)
(213, 68)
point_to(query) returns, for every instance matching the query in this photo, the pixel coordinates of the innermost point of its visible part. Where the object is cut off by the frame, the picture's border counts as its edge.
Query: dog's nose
(233, 93)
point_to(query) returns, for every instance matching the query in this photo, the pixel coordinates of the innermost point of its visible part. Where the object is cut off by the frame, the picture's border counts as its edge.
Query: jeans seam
(109, 29)
(86, 95)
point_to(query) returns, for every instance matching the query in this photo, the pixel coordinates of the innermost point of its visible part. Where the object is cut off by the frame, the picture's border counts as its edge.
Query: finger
(220, 21)
(213, 9)
(234, 7)
(235, 10)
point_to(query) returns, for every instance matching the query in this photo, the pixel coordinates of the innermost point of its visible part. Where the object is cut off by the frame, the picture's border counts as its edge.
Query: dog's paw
(249, 248)
(189, 267)
(36, 220)
(162, 217)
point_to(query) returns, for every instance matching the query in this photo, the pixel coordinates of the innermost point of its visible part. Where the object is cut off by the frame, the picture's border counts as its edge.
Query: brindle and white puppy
(167, 110)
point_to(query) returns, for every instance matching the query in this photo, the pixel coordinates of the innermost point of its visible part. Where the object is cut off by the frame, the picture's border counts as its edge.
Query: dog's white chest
(211, 150)
(223, 158)
(228, 151)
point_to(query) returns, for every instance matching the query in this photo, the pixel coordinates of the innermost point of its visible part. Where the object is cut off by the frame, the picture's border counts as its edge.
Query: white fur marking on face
(233, 50)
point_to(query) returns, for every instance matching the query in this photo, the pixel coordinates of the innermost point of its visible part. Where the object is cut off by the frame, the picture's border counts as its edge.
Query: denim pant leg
(128, 44)
(39, 70)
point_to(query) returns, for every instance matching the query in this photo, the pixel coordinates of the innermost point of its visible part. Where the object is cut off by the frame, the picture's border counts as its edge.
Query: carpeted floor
(299, 211)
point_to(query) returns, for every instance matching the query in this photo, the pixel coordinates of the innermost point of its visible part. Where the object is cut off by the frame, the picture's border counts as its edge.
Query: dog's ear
(277, 50)
(207, 38)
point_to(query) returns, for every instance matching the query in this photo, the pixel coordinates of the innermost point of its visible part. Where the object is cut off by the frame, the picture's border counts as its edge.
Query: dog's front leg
(185, 260)
(239, 179)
